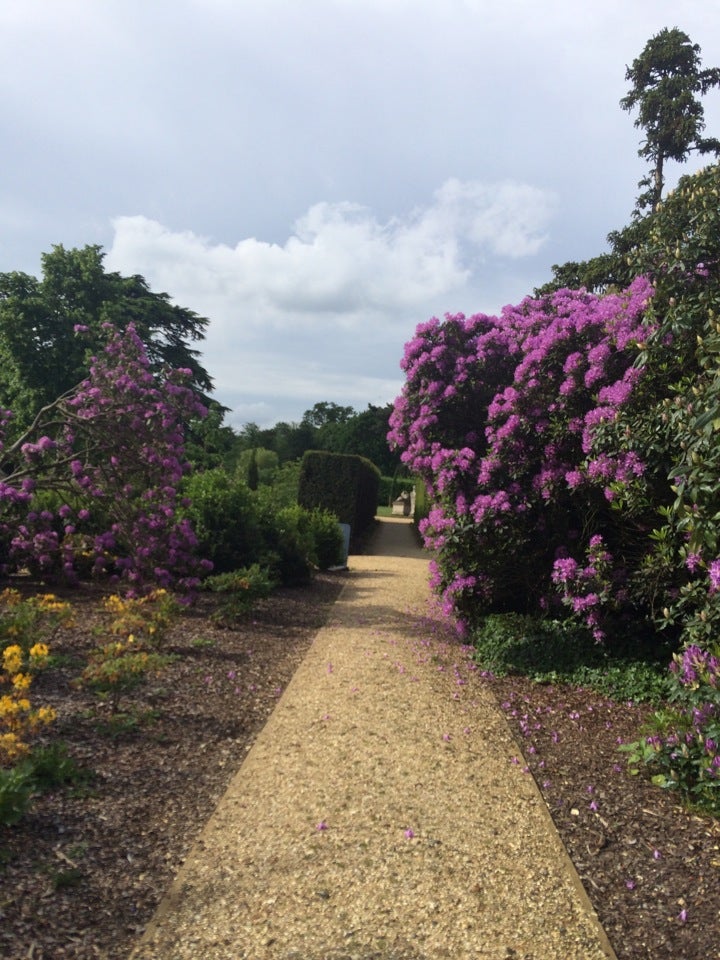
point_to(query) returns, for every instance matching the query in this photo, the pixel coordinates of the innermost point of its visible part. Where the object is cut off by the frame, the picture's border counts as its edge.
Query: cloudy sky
(319, 176)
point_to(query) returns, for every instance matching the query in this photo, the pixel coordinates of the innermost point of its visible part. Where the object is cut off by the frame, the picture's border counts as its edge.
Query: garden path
(382, 813)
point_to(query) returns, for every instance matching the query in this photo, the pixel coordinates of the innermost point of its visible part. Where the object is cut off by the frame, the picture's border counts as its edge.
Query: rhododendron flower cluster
(499, 417)
(587, 590)
(95, 479)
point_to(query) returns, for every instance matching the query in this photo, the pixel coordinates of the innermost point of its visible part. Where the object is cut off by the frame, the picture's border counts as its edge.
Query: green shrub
(224, 515)
(345, 484)
(291, 544)
(16, 789)
(550, 651)
(257, 466)
(328, 543)
(238, 527)
(285, 483)
(241, 589)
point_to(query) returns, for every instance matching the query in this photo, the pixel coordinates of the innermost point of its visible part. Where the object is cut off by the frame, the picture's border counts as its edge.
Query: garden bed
(82, 874)
(650, 867)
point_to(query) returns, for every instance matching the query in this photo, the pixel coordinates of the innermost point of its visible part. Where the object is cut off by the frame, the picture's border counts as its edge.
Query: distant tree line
(326, 426)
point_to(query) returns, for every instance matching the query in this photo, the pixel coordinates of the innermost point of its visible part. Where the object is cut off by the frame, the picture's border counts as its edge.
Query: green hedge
(345, 484)
(422, 502)
(237, 527)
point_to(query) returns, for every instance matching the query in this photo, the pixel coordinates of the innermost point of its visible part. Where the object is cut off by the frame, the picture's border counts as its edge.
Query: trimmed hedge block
(345, 484)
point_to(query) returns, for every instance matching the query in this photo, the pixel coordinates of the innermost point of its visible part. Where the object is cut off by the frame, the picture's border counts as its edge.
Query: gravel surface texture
(376, 816)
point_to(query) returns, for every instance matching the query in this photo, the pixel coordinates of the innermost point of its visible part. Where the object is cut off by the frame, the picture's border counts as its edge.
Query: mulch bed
(82, 873)
(650, 867)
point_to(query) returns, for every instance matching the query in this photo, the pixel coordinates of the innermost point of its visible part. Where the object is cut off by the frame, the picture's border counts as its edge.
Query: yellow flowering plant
(118, 667)
(18, 719)
(147, 619)
(27, 625)
(32, 621)
(139, 624)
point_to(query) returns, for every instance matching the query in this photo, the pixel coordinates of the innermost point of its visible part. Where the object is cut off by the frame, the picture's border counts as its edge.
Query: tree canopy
(666, 80)
(41, 357)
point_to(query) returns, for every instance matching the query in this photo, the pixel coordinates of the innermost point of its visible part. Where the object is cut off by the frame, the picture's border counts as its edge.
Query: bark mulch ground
(82, 873)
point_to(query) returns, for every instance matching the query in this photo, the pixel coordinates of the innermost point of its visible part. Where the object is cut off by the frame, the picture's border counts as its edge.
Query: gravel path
(380, 815)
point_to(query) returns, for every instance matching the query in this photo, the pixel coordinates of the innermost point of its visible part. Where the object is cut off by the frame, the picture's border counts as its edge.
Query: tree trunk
(659, 183)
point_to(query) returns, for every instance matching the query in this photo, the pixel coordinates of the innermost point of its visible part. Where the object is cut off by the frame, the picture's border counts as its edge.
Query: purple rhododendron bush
(498, 417)
(91, 488)
(569, 451)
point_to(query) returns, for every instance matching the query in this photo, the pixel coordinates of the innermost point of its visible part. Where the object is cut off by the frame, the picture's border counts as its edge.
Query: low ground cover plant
(240, 589)
(681, 744)
(557, 651)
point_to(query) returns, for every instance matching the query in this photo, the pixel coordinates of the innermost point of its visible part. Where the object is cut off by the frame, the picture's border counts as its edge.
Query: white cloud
(339, 258)
(508, 219)
(325, 314)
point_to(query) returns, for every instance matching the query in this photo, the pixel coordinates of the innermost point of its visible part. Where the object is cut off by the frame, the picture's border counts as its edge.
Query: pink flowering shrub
(94, 480)
(498, 416)
(676, 416)
(587, 590)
